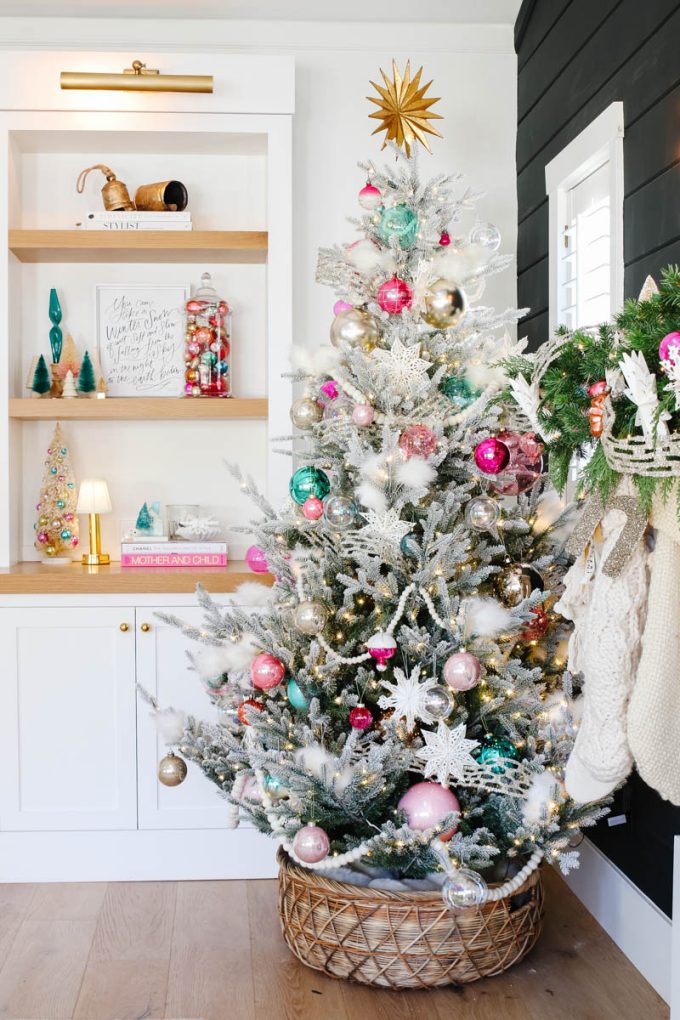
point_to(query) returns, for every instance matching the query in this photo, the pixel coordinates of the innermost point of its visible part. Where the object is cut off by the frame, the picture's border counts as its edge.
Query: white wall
(474, 72)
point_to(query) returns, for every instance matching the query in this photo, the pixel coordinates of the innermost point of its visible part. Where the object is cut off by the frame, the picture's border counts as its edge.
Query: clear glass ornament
(340, 512)
(482, 513)
(310, 617)
(438, 701)
(341, 407)
(487, 235)
(463, 889)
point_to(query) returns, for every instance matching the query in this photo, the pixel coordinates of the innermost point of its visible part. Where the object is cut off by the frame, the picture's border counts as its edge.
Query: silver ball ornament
(355, 328)
(463, 889)
(445, 304)
(305, 412)
(340, 512)
(172, 770)
(438, 701)
(341, 407)
(310, 617)
(482, 513)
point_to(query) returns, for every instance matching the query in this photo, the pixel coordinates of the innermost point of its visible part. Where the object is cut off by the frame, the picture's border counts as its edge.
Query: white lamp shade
(93, 497)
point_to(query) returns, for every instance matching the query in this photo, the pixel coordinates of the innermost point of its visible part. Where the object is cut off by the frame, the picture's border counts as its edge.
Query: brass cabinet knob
(124, 627)
(145, 627)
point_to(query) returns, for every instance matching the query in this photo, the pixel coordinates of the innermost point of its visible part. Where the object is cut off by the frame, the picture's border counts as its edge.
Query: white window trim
(601, 141)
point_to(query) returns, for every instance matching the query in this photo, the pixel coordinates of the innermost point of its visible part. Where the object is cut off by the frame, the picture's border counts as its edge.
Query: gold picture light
(138, 78)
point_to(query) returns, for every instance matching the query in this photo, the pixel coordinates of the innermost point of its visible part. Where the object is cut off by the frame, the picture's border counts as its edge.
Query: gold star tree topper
(403, 109)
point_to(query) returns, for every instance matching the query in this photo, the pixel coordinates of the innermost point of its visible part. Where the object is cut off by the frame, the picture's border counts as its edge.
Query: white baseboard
(136, 856)
(637, 926)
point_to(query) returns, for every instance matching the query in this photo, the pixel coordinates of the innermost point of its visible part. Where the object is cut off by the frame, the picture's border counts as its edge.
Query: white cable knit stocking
(654, 710)
(608, 614)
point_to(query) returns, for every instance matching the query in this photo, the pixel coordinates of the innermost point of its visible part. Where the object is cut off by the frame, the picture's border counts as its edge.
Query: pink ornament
(330, 389)
(381, 647)
(363, 414)
(74, 541)
(251, 789)
(395, 295)
(266, 671)
(491, 455)
(312, 508)
(370, 197)
(256, 560)
(341, 306)
(462, 671)
(311, 844)
(417, 441)
(68, 516)
(189, 389)
(445, 239)
(427, 804)
(360, 718)
(525, 463)
(43, 537)
(669, 347)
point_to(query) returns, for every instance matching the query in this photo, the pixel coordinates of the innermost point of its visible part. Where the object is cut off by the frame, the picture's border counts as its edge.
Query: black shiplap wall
(575, 57)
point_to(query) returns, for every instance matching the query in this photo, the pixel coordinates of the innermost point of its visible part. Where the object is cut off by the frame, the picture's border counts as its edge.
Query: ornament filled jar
(207, 352)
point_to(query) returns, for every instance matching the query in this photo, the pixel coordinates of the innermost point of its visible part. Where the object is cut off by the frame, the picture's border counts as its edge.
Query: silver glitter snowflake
(447, 753)
(407, 697)
(402, 370)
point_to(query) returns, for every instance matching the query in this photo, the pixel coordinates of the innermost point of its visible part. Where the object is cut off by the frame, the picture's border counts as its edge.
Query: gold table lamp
(94, 499)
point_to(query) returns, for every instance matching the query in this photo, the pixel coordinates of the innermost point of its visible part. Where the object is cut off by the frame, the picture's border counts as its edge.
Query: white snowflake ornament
(402, 370)
(387, 530)
(447, 753)
(407, 697)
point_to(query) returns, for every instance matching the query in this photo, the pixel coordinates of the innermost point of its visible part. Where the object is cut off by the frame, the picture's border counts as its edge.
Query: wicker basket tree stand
(403, 940)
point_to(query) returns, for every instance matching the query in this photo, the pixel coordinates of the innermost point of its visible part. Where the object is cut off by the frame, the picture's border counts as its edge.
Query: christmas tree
(41, 377)
(86, 380)
(143, 519)
(396, 699)
(57, 524)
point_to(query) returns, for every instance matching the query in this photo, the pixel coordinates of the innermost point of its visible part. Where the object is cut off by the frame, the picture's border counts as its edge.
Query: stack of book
(137, 221)
(173, 553)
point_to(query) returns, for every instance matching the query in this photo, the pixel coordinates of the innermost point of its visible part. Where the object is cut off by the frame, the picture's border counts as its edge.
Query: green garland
(583, 359)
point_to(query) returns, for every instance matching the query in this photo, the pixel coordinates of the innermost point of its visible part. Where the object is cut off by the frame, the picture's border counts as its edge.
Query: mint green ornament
(296, 697)
(401, 222)
(494, 751)
(459, 391)
(309, 481)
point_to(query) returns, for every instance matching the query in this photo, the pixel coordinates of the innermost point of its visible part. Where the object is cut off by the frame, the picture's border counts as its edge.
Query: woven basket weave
(402, 940)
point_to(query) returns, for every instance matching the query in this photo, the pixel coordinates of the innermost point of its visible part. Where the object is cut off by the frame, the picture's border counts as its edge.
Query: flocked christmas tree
(57, 524)
(41, 378)
(396, 698)
(86, 380)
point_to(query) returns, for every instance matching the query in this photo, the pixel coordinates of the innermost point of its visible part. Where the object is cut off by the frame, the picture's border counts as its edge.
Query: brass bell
(114, 193)
(166, 196)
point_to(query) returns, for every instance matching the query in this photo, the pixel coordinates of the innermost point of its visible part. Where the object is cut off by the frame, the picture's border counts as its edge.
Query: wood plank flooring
(213, 951)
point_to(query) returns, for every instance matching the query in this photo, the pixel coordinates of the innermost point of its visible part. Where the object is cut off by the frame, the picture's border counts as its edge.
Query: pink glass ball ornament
(256, 560)
(491, 455)
(341, 306)
(311, 844)
(312, 508)
(462, 671)
(360, 718)
(381, 647)
(394, 295)
(370, 197)
(363, 415)
(266, 671)
(669, 348)
(427, 804)
(417, 441)
(330, 389)
(525, 463)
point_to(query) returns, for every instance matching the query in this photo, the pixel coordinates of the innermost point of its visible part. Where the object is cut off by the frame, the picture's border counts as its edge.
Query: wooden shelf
(31, 578)
(139, 245)
(138, 408)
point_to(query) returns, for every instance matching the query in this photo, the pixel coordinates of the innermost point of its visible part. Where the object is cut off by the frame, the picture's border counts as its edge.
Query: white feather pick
(548, 510)
(415, 473)
(171, 724)
(314, 361)
(369, 495)
(324, 766)
(457, 265)
(367, 257)
(252, 594)
(642, 391)
(212, 661)
(485, 617)
(544, 789)
(374, 468)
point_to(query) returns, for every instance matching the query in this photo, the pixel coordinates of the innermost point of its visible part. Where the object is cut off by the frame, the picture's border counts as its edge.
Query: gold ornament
(445, 304)
(172, 770)
(403, 110)
(355, 328)
(516, 582)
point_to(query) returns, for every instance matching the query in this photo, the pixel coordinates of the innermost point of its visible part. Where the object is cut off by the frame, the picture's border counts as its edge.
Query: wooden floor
(213, 950)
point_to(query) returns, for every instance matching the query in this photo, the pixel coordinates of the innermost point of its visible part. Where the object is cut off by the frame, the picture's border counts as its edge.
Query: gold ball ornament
(516, 582)
(445, 305)
(356, 329)
(172, 770)
(305, 412)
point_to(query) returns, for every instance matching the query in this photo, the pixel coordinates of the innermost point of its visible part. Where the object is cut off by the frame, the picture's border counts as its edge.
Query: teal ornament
(309, 481)
(494, 751)
(63, 451)
(401, 222)
(65, 534)
(55, 332)
(61, 504)
(296, 697)
(409, 546)
(274, 787)
(53, 471)
(459, 391)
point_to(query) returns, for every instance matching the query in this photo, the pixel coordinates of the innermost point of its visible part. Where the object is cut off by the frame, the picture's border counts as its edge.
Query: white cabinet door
(67, 704)
(162, 670)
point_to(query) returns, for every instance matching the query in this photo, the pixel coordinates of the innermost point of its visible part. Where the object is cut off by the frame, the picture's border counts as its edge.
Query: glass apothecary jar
(207, 352)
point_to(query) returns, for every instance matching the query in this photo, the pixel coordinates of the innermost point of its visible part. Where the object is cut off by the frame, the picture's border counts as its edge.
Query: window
(584, 183)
